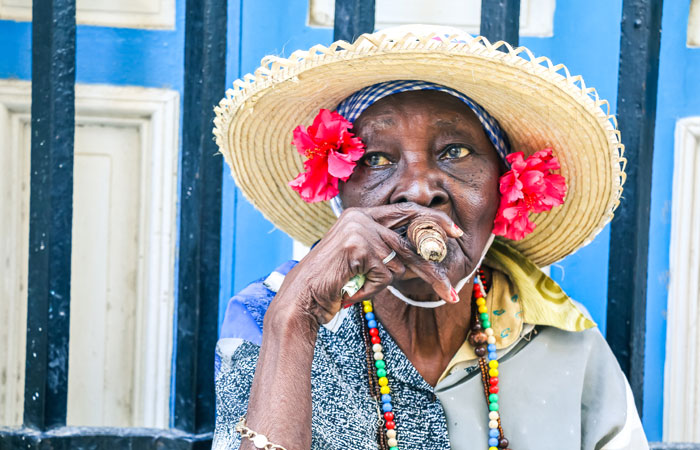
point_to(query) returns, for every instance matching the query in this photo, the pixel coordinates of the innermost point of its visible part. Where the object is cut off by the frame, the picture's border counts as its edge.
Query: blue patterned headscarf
(357, 103)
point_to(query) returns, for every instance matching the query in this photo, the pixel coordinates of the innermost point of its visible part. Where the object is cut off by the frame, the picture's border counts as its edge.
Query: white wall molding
(155, 14)
(682, 370)
(693, 36)
(150, 117)
(536, 16)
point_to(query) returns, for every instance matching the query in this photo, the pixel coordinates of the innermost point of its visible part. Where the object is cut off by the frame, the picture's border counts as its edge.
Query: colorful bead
(491, 365)
(484, 343)
(382, 379)
(477, 338)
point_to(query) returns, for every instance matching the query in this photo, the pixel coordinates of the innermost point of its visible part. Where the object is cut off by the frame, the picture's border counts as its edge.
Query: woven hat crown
(539, 104)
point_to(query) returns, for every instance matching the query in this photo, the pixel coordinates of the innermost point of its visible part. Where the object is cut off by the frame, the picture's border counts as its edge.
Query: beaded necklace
(481, 337)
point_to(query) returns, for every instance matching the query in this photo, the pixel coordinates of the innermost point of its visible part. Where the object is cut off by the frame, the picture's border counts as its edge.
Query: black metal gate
(53, 80)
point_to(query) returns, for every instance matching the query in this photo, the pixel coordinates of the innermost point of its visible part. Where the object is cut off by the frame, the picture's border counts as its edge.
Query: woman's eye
(455, 151)
(376, 160)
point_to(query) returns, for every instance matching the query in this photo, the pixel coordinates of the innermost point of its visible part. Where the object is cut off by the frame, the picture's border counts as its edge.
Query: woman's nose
(422, 186)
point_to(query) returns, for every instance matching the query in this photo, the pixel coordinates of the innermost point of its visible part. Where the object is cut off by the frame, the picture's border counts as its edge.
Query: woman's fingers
(433, 274)
(380, 274)
(396, 215)
(359, 244)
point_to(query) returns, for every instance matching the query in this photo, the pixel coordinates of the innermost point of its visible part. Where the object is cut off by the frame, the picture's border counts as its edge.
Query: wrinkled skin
(427, 155)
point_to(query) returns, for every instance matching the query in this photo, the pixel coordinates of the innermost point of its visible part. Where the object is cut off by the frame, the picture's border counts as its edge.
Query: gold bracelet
(259, 440)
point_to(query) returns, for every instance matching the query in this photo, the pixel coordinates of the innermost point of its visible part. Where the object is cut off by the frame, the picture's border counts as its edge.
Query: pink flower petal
(302, 141)
(340, 165)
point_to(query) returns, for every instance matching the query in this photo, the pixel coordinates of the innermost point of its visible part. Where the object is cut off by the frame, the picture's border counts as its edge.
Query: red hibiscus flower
(529, 186)
(331, 151)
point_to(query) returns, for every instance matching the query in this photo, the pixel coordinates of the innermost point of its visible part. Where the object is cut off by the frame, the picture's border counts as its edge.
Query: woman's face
(429, 148)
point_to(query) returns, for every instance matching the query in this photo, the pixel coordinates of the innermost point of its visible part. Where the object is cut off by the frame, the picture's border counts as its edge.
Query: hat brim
(538, 105)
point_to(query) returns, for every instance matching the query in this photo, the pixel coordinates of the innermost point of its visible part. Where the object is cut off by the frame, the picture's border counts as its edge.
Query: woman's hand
(357, 244)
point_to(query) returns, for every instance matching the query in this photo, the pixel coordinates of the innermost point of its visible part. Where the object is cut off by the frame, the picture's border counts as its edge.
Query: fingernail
(453, 293)
(347, 306)
(457, 229)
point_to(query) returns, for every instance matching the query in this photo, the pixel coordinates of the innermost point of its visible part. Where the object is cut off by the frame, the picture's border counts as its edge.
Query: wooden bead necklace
(481, 337)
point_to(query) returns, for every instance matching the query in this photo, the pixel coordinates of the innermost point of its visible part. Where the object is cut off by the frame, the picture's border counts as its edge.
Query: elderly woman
(406, 325)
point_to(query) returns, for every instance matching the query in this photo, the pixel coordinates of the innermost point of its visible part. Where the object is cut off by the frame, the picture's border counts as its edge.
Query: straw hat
(537, 103)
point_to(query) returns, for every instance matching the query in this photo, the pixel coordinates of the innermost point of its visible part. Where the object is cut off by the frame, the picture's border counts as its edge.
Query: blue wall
(679, 79)
(588, 43)
(247, 233)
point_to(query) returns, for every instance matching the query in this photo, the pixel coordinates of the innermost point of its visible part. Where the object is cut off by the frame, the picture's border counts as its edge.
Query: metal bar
(629, 234)
(50, 213)
(353, 18)
(200, 217)
(500, 20)
(92, 438)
